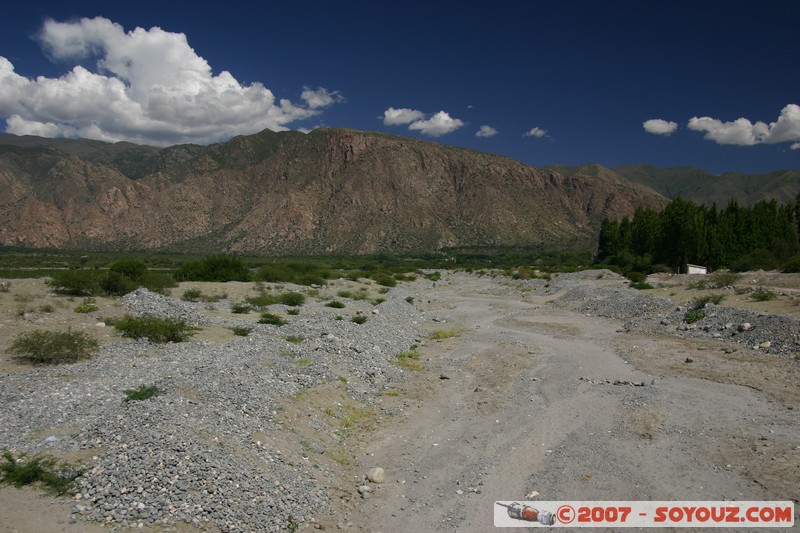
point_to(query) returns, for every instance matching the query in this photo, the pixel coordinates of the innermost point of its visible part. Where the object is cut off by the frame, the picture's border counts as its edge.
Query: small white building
(696, 269)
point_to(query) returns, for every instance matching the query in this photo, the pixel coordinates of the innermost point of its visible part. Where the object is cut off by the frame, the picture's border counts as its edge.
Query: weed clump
(409, 360)
(88, 305)
(155, 329)
(762, 295)
(441, 334)
(53, 347)
(241, 331)
(56, 477)
(359, 319)
(269, 318)
(336, 304)
(144, 392)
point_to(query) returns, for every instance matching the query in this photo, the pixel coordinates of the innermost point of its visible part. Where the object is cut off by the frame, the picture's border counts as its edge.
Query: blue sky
(710, 84)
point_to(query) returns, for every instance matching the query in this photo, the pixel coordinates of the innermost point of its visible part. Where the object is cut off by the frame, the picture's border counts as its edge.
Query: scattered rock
(376, 475)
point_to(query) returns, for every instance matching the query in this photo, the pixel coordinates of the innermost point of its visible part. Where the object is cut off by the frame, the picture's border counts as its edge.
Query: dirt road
(523, 400)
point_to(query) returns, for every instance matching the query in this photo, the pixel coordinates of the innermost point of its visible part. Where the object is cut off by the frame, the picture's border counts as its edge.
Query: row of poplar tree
(764, 235)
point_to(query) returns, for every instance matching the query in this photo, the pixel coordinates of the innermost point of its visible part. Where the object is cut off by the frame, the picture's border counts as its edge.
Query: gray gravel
(769, 333)
(190, 455)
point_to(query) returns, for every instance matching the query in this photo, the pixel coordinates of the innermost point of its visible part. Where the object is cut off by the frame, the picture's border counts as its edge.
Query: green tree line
(764, 236)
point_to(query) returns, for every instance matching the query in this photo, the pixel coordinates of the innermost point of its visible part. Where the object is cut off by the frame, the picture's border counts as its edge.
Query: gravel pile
(205, 450)
(768, 333)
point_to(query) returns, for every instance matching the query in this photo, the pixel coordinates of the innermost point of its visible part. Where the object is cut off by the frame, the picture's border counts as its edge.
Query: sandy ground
(518, 402)
(515, 416)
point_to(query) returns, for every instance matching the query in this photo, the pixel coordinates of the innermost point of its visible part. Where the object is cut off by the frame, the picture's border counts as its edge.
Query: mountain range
(330, 191)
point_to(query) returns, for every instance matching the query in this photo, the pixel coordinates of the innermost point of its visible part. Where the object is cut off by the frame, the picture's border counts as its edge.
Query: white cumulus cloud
(659, 126)
(147, 86)
(745, 133)
(486, 131)
(437, 125)
(535, 132)
(398, 117)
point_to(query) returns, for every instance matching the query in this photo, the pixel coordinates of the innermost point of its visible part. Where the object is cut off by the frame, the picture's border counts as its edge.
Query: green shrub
(295, 339)
(155, 329)
(293, 299)
(359, 319)
(117, 284)
(336, 304)
(434, 276)
(53, 347)
(144, 392)
(293, 312)
(762, 295)
(241, 308)
(56, 477)
(694, 315)
(88, 305)
(409, 359)
(133, 269)
(242, 331)
(700, 301)
(382, 278)
(377, 301)
(192, 295)
(790, 266)
(220, 268)
(723, 279)
(76, 282)
(636, 277)
(641, 285)
(269, 318)
(410, 299)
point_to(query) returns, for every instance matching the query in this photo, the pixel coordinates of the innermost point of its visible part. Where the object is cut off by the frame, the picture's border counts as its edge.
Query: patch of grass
(377, 301)
(154, 329)
(409, 360)
(359, 319)
(410, 299)
(5, 286)
(722, 279)
(433, 276)
(390, 392)
(641, 285)
(88, 305)
(303, 362)
(441, 334)
(46, 308)
(384, 279)
(241, 308)
(269, 318)
(342, 379)
(192, 295)
(144, 392)
(241, 331)
(294, 339)
(341, 457)
(693, 315)
(55, 477)
(701, 301)
(293, 312)
(762, 295)
(338, 317)
(53, 347)
(292, 299)
(336, 304)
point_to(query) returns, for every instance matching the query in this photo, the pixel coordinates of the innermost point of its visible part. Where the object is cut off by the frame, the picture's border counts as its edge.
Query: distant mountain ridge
(700, 186)
(329, 191)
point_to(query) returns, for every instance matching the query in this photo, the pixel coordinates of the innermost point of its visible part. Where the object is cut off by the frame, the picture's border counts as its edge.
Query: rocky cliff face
(329, 191)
